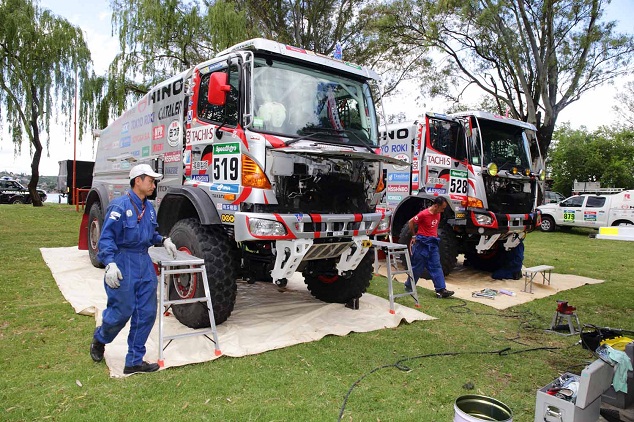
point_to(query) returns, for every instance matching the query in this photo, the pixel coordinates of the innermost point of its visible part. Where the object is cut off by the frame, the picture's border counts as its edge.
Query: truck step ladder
(183, 265)
(392, 252)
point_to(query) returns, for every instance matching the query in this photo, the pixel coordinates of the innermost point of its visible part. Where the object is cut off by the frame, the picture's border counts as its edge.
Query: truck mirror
(218, 88)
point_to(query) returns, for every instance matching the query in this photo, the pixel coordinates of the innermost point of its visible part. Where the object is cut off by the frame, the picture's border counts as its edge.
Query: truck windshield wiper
(338, 132)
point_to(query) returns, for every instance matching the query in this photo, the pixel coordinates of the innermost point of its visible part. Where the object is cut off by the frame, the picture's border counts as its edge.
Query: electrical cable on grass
(400, 366)
(461, 309)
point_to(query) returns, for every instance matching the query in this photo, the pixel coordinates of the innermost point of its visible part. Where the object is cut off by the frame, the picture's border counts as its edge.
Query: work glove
(170, 247)
(113, 275)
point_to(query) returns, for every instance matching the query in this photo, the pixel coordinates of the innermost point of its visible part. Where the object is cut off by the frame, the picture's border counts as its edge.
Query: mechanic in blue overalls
(129, 229)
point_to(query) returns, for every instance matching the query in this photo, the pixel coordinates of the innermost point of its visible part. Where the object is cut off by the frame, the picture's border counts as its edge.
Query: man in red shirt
(425, 253)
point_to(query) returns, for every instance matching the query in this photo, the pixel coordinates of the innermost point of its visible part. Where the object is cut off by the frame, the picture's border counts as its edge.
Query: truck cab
(589, 210)
(489, 169)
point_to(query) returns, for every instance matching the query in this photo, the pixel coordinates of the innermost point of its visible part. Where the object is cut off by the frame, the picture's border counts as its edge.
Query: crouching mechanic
(425, 253)
(129, 229)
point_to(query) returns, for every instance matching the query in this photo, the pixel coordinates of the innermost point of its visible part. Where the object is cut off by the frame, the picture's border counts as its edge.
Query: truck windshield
(505, 145)
(296, 101)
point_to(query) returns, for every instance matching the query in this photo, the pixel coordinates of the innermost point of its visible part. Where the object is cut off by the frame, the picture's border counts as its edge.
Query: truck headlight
(384, 224)
(492, 169)
(483, 219)
(261, 227)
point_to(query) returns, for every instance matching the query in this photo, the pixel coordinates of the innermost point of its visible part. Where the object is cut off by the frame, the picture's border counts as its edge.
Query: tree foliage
(161, 38)
(534, 57)
(624, 106)
(40, 54)
(605, 155)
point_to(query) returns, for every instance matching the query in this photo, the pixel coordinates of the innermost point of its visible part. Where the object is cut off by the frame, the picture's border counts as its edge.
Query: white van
(589, 211)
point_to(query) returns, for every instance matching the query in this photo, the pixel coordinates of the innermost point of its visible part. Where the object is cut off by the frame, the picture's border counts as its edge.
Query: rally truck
(589, 210)
(271, 164)
(487, 166)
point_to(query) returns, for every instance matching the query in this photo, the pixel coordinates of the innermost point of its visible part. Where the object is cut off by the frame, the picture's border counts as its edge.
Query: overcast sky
(593, 110)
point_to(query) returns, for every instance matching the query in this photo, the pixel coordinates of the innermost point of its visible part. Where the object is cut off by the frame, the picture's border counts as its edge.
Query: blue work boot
(408, 285)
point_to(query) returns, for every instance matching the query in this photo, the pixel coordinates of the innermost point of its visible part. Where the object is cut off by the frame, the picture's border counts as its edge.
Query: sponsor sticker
(229, 207)
(439, 191)
(204, 178)
(225, 187)
(200, 165)
(438, 160)
(402, 157)
(174, 133)
(227, 218)
(398, 188)
(114, 216)
(172, 157)
(145, 151)
(158, 132)
(398, 177)
(590, 216)
(230, 148)
(435, 181)
(171, 170)
(396, 198)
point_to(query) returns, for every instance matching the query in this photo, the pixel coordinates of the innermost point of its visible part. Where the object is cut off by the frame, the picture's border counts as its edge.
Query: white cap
(144, 169)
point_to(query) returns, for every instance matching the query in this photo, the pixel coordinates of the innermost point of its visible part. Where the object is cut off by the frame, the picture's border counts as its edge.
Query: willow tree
(41, 57)
(533, 57)
(161, 38)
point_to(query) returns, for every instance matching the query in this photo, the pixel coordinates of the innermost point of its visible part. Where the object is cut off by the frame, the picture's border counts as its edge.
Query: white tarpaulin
(264, 318)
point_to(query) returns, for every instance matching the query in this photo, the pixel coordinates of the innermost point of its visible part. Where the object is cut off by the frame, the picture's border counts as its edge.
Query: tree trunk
(37, 145)
(545, 136)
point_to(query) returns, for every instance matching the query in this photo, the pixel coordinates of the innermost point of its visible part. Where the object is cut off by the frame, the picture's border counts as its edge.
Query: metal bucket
(475, 408)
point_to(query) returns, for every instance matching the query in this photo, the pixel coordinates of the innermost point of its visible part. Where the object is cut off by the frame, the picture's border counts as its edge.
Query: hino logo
(164, 92)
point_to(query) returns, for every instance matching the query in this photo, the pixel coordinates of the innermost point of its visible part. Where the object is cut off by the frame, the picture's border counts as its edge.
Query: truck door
(595, 212)
(444, 170)
(213, 126)
(570, 211)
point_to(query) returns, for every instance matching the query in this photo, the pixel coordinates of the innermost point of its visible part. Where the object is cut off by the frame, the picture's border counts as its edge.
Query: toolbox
(620, 399)
(593, 381)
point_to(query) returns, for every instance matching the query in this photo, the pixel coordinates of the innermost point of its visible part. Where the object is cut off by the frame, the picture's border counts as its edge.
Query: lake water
(55, 198)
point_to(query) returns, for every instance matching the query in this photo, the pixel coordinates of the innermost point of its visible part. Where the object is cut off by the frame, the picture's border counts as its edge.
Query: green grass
(44, 347)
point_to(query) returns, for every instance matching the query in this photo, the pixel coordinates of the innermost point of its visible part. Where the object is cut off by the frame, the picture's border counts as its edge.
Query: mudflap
(82, 243)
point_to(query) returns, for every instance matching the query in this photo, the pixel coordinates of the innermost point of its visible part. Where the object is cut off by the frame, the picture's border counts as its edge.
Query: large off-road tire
(325, 284)
(548, 224)
(222, 263)
(95, 223)
(448, 248)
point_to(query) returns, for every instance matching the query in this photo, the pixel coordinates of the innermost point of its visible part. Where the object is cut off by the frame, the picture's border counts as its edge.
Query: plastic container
(474, 408)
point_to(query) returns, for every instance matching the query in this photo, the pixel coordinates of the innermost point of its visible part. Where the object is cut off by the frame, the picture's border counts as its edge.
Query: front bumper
(310, 226)
(483, 222)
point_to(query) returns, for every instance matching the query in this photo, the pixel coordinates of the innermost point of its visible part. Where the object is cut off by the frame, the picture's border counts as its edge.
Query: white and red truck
(487, 166)
(271, 165)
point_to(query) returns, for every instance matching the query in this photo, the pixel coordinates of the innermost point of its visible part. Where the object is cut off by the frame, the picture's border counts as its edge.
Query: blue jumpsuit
(425, 254)
(126, 235)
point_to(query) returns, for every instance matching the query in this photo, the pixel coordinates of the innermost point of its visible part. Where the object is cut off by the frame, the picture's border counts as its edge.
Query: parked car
(12, 192)
(552, 197)
(589, 211)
